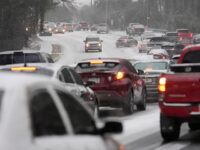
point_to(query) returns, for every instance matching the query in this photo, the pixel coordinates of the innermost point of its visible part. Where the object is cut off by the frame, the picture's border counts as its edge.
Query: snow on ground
(73, 47)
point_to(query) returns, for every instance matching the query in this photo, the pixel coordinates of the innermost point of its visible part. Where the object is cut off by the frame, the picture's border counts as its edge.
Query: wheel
(169, 128)
(194, 126)
(142, 106)
(129, 106)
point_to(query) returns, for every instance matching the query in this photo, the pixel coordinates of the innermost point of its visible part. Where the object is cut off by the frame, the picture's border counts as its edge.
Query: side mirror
(112, 127)
(140, 72)
(90, 83)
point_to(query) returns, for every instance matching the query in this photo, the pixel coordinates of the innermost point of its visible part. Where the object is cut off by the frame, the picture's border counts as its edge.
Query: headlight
(99, 44)
(87, 45)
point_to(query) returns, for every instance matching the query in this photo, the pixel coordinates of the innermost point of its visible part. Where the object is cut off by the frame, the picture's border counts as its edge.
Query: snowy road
(141, 130)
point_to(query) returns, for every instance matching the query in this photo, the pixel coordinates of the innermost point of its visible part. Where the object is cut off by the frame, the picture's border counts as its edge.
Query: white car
(37, 114)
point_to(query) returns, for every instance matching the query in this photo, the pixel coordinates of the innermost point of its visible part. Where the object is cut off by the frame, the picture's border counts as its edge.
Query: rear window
(158, 39)
(183, 31)
(7, 59)
(172, 34)
(151, 66)
(192, 57)
(88, 67)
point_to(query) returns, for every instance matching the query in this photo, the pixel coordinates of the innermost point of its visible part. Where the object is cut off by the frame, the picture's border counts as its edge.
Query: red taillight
(162, 84)
(164, 57)
(191, 35)
(119, 75)
(125, 41)
(139, 45)
(72, 27)
(181, 38)
(179, 34)
(88, 25)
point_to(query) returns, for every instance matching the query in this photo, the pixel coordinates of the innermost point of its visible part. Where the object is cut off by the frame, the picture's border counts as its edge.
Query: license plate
(96, 80)
(147, 80)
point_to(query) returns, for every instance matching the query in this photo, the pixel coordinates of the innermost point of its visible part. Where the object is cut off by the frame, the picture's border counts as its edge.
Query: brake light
(191, 35)
(139, 45)
(23, 69)
(162, 84)
(120, 75)
(164, 57)
(125, 41)
(96, 62)
(179, 34)
(181, 38)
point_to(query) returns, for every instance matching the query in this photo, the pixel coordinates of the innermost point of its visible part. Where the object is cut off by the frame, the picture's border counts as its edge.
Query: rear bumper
(184, 111)
(111, 99)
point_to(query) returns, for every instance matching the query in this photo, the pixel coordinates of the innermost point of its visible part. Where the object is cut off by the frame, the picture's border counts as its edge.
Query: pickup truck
(184, 34)
(179, 96)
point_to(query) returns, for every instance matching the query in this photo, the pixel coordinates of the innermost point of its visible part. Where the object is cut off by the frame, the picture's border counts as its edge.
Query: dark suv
(25, 56)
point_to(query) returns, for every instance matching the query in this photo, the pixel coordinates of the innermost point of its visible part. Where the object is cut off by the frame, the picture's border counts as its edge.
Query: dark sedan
(116, 83)
(126, 41)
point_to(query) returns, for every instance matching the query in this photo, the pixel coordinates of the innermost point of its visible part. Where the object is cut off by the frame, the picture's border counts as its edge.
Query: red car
(184, 34)
(116, 83)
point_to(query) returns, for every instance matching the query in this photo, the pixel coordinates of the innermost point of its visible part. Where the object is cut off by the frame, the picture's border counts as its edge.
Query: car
(92, 43)
(126, 41)
(152, 70)
(68, 78)
(175, 58)
(117, 83)
(129, 28)
(196, 39)
(102, 28)
(151, 42)
(84, 26)
(59, 29)
(41, 110)
(23, 57)
(94, 27)
(136, 29)
(170, 48)
(69, 27)
(45, 32)
(172, 37)
(184, 34)
(159, 52)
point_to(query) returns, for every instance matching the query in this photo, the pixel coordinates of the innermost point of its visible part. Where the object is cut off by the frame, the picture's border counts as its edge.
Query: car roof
(24, 51)
(150, 61)
(117, 60)
(12, 80)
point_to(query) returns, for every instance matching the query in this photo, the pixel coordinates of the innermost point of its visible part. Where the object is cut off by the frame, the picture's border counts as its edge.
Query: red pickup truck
(179, 96)
(184, 34)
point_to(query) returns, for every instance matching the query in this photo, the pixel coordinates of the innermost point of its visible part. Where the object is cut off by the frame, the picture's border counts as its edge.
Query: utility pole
(106, 11)
(91, 4)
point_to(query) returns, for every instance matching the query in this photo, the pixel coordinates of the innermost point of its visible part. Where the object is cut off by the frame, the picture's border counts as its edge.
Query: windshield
(151, 66)
(192, 57)
(92, 39)
(88, 67)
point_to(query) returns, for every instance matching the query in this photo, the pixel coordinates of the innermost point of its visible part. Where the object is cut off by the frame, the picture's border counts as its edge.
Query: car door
(83, 125)
(48, 129)
(68, 82)
(80, 85)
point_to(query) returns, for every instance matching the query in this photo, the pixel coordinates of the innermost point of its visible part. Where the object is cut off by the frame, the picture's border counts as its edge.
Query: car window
(102, 66)
(192, 57)
(67, 76)
(81, 120)
(5, 59)
(77, 77)
(151, 66)
(27, 58)
(92, 39)
(45, 117)
(130, 67)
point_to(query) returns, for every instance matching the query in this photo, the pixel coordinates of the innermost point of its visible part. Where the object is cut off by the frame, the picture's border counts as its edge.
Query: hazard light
(96, 62)
(119, 75)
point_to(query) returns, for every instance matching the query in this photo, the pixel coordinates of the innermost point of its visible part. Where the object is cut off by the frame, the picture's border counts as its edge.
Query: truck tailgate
(183, 87)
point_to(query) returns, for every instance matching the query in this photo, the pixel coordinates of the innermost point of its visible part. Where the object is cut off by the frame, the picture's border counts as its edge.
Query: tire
(194, 126)
(129, 106)
(142, 106)
(169, 128)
